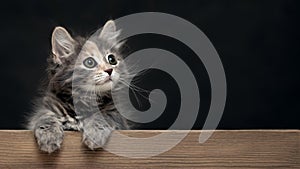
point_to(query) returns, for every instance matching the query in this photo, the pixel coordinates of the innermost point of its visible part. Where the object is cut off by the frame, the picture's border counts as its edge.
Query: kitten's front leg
(48, 133)
(96, 131)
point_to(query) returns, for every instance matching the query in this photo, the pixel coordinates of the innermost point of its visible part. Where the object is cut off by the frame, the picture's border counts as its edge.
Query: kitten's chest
(82, 109)
(70, 123)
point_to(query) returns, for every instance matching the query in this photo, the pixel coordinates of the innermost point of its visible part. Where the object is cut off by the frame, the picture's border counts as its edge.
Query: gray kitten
(97, 66)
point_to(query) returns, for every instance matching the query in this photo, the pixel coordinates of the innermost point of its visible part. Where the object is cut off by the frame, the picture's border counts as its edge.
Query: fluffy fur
(68, 75)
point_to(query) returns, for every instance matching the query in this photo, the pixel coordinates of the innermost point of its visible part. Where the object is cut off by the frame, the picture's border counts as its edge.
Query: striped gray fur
(55, 110)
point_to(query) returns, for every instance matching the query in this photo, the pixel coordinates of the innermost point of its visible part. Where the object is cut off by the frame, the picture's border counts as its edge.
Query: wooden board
(225, 149)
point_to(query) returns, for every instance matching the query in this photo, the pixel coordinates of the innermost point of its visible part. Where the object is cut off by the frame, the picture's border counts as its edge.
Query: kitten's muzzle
(107, 79)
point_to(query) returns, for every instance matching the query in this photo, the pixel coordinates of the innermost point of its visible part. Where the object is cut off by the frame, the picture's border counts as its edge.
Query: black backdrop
(258, 43)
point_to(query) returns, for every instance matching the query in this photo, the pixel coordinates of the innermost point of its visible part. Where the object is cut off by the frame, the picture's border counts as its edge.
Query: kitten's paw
(96, 137)
(49, 137)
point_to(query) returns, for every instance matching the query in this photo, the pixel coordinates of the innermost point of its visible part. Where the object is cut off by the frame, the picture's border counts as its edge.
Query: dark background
(258, 43)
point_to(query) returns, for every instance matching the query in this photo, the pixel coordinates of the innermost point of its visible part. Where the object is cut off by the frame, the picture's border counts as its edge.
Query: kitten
(83, 68)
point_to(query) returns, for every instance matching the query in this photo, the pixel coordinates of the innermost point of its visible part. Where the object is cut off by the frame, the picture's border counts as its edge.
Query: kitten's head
(94, 63)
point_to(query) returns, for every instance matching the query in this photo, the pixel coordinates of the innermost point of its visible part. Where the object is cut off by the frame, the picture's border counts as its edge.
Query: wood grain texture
(225, 149)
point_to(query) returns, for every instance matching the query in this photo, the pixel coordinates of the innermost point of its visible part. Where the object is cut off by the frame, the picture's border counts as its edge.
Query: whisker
(136, 88)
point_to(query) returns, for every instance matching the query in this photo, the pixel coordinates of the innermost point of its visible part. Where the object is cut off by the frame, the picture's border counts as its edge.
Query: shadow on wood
(225, 149)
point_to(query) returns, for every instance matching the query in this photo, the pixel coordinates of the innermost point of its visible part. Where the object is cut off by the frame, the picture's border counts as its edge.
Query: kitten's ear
(63, 45)
(109, 31)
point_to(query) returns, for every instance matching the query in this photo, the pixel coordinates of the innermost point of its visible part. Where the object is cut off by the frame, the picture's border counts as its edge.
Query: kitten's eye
(112, 59)
(90, 62)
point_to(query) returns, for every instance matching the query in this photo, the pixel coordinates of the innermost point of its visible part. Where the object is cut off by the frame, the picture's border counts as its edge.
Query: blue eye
(90, 62)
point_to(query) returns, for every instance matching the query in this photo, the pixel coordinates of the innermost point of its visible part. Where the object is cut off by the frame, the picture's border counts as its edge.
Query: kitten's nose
(108, 71)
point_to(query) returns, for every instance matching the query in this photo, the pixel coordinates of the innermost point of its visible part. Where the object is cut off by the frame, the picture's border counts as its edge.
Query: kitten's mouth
(106, 80)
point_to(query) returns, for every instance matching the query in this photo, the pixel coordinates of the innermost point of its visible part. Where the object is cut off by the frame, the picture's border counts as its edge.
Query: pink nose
(108, 71)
